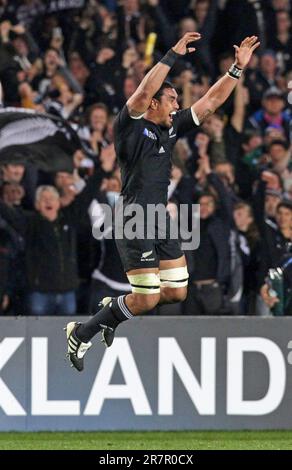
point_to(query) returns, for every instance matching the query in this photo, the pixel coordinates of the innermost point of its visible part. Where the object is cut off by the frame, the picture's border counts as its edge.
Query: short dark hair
(280, 179)
(286, 204)
(208, 194)
(164, 85)
(249, 134)
(283, 144)
(51, 48)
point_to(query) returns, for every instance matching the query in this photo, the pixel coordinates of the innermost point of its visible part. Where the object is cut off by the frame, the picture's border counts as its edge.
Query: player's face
(168, 105)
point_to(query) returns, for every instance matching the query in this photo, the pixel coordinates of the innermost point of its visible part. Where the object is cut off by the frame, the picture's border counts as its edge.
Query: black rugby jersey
(144, 152)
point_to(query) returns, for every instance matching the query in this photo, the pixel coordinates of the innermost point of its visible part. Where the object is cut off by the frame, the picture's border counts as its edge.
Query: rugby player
(146, 130)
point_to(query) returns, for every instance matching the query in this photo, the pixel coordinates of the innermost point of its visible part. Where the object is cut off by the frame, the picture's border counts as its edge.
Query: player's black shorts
(137, 254)
(156, 241)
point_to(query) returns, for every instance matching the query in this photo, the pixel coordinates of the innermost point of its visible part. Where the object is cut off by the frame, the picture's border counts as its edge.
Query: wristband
(170, 58)
(234, 72)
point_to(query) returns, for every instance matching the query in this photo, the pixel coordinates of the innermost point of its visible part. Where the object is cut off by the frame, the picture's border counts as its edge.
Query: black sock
(114, 313)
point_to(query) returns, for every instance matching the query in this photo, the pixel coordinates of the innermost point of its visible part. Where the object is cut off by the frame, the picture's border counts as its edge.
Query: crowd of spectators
(81, 60)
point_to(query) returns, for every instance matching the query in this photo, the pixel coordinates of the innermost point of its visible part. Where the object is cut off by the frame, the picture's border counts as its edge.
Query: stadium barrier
(170, 373)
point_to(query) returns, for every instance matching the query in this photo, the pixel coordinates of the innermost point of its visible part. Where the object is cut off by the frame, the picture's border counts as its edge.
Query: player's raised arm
(223, 88)
(139, 102)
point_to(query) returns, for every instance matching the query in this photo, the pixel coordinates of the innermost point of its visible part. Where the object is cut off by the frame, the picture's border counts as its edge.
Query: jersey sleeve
(124, 121)
(185, 121)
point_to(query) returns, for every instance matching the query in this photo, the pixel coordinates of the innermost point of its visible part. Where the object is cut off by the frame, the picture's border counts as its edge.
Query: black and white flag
(54, 6)
(47, 141)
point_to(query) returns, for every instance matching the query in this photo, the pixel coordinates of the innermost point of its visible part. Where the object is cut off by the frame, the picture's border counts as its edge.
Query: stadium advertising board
(160, 373)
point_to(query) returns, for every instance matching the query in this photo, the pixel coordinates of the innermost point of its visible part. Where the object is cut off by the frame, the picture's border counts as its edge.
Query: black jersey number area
(144, 155)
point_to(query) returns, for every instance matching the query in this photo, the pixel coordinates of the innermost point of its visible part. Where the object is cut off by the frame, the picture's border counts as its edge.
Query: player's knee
(174, 281)
(146, 287)
(175, 295)
(180, 294)
(144, 303)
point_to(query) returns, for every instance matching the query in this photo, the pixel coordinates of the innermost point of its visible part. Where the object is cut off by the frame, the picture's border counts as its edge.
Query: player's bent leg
(145, 285)
(137, 304)
(145, 296)
(173, 280)
(142, 303)
(107, 332)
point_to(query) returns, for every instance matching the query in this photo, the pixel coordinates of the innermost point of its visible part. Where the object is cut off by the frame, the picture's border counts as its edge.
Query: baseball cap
(273, 91)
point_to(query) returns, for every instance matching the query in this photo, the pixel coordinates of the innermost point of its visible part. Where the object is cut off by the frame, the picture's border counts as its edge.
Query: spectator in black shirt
(275, 248)
(210, 262)
(6, 272)
(281, 43)
(50, 236)
(94, 133)
(248, 244)
(258, 81)
(108, 277)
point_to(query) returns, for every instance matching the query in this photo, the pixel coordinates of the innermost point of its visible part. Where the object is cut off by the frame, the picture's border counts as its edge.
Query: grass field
(210, 440)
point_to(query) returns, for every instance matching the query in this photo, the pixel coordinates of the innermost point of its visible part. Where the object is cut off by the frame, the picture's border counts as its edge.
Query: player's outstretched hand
(244, 52)
(181, 46)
